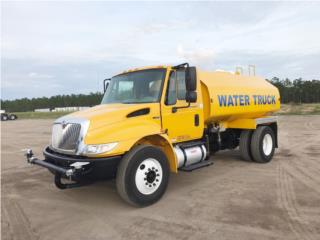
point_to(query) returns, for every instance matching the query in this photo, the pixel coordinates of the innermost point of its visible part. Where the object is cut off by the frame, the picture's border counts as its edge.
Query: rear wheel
(12, 117)
(263, 144)
(143, 175)
(245, 145)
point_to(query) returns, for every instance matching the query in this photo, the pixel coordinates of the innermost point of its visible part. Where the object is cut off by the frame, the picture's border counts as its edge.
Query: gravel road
(231, 199)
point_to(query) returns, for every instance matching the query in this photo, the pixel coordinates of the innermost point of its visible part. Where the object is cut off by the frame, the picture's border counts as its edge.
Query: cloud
(72, 46)
(201, 57)
(167, 26)
(39, 75)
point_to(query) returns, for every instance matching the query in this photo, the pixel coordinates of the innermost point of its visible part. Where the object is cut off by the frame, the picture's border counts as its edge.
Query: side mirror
(106, 83)
(191, 96)
(191, 79)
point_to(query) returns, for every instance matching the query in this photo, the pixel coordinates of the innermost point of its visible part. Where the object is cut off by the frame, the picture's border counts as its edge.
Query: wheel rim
(148, 176)
(267, 144)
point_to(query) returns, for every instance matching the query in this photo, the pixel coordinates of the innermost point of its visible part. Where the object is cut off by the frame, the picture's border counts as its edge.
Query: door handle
(196, 120)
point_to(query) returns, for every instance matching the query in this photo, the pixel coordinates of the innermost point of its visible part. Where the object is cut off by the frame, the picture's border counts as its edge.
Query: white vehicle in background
(7, 116)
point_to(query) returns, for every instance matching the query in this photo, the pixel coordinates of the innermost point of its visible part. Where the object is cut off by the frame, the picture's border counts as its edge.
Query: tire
(245, 145)
(262, 144)
(139, 180)
(4, 117)
(12, 117)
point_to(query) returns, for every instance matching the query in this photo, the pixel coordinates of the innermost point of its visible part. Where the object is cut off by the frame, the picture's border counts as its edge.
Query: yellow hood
(107, 114)
(109, 122)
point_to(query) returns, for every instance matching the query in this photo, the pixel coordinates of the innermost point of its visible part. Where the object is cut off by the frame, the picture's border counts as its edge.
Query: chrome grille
(65, 136)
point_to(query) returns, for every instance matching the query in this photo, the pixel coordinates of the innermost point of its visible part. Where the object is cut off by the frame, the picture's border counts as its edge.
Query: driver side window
(181, 82)
(171, 94)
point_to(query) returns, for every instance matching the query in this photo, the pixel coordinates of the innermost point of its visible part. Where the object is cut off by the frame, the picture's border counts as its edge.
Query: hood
(108, 114)
(121, 123)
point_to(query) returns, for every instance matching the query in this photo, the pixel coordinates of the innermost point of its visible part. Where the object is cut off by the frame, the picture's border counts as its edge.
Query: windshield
(135, 87)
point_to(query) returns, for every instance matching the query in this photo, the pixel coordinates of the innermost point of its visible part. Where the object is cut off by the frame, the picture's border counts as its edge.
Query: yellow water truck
(162, 119)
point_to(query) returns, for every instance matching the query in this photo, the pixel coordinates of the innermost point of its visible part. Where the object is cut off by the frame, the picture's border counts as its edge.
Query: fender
(162, 141)
(128, 134)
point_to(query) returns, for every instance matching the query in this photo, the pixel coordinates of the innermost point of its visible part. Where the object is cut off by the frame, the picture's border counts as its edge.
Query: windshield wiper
(135, 102)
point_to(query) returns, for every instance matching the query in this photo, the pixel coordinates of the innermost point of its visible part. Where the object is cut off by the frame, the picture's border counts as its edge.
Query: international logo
(64, 124)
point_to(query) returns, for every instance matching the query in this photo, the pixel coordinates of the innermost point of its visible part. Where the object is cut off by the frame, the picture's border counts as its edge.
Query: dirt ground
(231, 199)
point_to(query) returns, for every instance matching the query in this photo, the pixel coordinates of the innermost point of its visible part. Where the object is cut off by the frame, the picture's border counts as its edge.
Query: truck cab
(153, 121)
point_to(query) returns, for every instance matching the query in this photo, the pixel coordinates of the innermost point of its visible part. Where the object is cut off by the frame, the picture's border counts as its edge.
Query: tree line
(73, 100)
(296, 91)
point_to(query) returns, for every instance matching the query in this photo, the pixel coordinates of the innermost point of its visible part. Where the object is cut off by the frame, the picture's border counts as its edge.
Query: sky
(51, 48)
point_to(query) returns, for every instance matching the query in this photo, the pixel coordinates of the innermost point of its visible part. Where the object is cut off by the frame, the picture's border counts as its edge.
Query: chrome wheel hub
(267, 144)
(148, 176)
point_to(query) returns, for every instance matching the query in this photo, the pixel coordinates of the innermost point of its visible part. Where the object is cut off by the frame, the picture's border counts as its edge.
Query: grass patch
(299, 109)
(40, 115)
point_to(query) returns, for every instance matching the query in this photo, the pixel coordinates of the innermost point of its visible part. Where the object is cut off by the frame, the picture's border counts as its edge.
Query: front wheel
(4, 117)
(143, 175)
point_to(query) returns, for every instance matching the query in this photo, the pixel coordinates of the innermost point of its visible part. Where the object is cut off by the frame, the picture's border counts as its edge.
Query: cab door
(182, 123)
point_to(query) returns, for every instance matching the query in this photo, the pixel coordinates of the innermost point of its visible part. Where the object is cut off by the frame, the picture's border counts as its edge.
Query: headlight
(99, 148)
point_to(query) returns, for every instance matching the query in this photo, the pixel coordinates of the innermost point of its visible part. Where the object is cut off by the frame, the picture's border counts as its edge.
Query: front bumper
(78, 169)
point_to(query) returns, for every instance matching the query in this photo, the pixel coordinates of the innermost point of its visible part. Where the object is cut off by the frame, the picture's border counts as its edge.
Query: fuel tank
(228, 96)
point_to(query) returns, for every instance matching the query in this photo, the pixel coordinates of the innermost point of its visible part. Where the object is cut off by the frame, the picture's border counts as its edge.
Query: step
(195, 166)
(190, 144)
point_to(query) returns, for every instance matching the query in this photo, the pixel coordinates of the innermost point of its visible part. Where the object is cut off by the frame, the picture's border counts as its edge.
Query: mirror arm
(104, 84)
(181, 66)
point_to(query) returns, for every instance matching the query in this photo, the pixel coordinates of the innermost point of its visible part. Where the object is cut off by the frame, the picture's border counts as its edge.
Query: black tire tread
(14, 117)
(121, 173)
(245, 145)
(255, 144)
(4, 118)
(125, 184)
